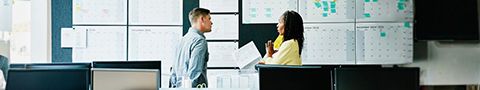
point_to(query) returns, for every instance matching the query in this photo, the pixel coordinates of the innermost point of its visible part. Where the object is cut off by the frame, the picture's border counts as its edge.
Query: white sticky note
(73, 38)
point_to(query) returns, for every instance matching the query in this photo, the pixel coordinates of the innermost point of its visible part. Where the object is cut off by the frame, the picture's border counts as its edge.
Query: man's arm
(197, 62)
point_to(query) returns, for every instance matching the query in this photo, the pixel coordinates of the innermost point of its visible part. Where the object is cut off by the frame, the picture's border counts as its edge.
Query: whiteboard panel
(327, 10)
(154, 44)
(329, 44)
(384, 43)
(99, 12)
(221, 54)
(384, 10)
(155, 12)
(104, 43)
(266, 11)
(225, 27)
(220, 5)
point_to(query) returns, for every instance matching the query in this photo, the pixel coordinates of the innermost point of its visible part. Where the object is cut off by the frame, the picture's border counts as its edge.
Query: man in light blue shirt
(191, 55)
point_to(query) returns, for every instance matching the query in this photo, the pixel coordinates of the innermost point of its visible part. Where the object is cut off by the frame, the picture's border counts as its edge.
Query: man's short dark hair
(196, 13)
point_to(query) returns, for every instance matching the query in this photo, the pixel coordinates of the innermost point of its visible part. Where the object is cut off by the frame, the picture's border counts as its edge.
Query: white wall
(41, 23)
(448, 63)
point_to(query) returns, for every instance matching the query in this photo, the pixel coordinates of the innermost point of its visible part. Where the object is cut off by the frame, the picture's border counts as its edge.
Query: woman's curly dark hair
(293, 27)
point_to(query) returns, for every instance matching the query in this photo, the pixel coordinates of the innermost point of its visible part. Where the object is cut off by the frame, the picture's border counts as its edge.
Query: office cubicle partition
(59, 76)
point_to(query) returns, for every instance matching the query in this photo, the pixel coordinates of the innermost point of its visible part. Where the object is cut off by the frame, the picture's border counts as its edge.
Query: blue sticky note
(318, 5)
(406, 24)
(366, 15)
(333, 10)
(325, 14)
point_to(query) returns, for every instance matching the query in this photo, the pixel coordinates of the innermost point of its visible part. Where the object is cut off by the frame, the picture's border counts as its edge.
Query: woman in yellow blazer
(290, 29)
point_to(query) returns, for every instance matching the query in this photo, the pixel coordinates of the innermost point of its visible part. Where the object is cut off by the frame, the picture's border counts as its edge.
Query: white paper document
(104, 43)
(220, 5)
(73, 38)
(247, 54)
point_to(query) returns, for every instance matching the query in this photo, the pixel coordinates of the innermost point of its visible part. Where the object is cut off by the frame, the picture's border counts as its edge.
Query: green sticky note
(366, 15)
(268, 10)
(325, 3)
(333, 10)
(333, 4)
(402, 1)
(367, 0)
(253, 12)
(318, 5)
(401, 6)
(325, 9)
(406, 24)
(325, 14)
(269, 15)
(253, 15)
(375, 0)
(383, 34)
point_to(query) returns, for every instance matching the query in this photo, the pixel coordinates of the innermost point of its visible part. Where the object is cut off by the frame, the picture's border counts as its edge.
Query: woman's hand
(269, 47)
(261, 62)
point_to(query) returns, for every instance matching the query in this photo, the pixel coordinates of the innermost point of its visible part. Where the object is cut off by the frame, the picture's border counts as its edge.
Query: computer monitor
(126, 75)
(125, 79)
(49, 77)
(276, 77)
(377, 79)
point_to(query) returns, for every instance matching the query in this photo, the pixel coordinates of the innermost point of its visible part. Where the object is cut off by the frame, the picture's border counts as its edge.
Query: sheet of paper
(155, 12)
(104, 43)
(384, 43)
(154, 43)
(225, 27)
(221, 54)
(247, 54)
(73, 38)
(6, 15)
(103, 12)
(220, 5)
(329, 43)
